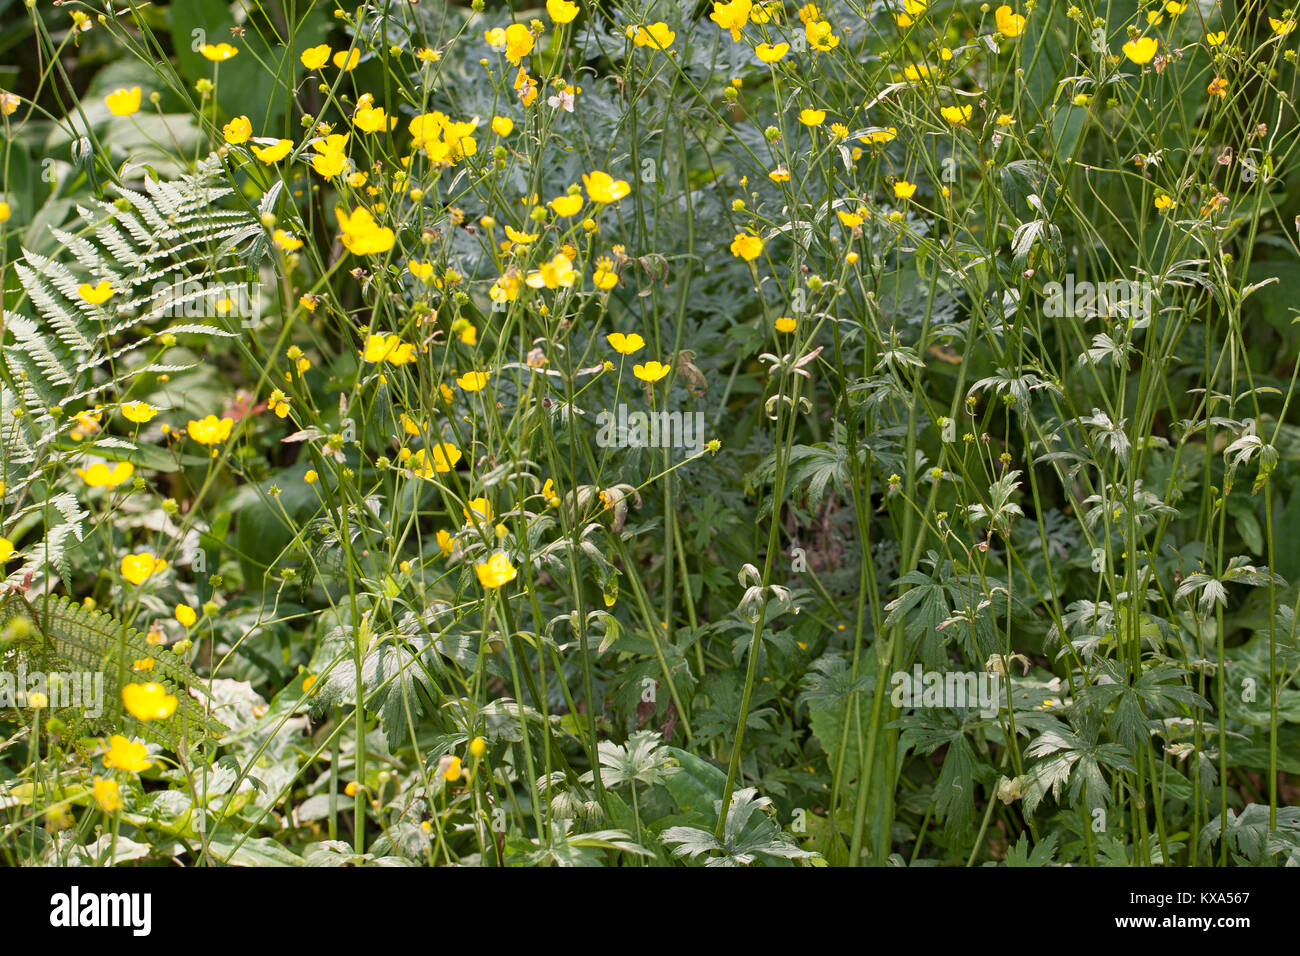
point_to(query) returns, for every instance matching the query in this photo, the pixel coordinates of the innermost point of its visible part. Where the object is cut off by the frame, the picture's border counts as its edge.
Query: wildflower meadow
(649, 433)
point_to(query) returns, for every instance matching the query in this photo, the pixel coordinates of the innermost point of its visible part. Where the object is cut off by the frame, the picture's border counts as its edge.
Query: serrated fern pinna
(53, 635)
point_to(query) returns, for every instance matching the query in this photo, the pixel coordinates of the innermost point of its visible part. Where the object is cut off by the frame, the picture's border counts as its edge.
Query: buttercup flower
(362, 236)
(956, 115)
(108, 795)
(186, 615)
(273, 153)
(903, 189)
(732, 16)
(625, 344)
(148, 701)
(650, 371)
(122, 102)
(771, 52)
(237, 131)
(387, 348)
(747, 247)
(137, 568)
(313, 58)
(473, 381)
(655, 35)
(495, 572)
(1010, 23)
(604, 188)
(101, 475)
(562, 11)
(218, 53)
(1142, 50)
(96, 294)
(138, 412)
(210, 430)
(128, 755)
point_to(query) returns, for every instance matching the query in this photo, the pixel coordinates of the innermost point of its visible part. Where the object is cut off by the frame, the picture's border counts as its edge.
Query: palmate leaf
(748, 835)
(1154, 692)
(63, 636)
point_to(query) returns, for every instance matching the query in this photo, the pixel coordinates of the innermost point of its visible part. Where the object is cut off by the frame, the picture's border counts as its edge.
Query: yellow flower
(186, 615)
(562, 11)
(209, 430)
(903, 189)
(493, 573)
(1175, 8)
(548, 492)
(9, 103)
(479, 509)
(361, 234)
(421, 270)
(273, 153)
(138, 412)
(1141, 50)
(313, 58)
(128, 755)
(1164, 201)
(388, 348)
(655, 35)
(956, 115)
(771, 52)
(519, 42)
(372, 119)
(449, 764)
(1214, 39)
(237, 131)
(819, 36)
(1218, 87)
(101, 475)
(503, 125)
(137, 568)
(6, 550)
(812, 117)
(473, 381)
(566, 206)
(285, 241)
(604, 188)
(1005, 119)
(441, 459)
(650, 371)
(747, 247)
(1282, 27)
(477, 747)
(625, 344)
(108, 795)
(148, 701)
(851, 220)
(732, 16)
(4, 212)
(557, 272)
(604, 278)
(347, 60)
(95, 294)
(123, 102)
(785, 324)
(218, 53)
(1010, 23)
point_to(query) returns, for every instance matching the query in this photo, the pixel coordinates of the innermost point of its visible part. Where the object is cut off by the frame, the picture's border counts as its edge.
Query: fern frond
(65, 636)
